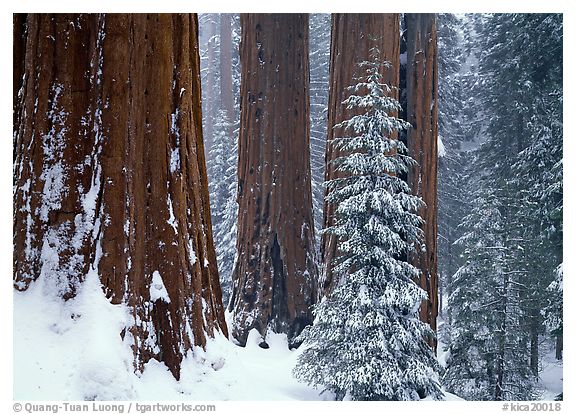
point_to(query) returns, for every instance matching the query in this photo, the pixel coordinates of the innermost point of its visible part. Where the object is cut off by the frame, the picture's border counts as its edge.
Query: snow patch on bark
(441, 147)
(53, 191)
(53, 174)
(157, 289)
(172, 219)
(192, 253)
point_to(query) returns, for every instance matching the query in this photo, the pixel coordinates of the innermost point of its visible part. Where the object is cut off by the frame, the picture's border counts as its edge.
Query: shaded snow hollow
(72, 351)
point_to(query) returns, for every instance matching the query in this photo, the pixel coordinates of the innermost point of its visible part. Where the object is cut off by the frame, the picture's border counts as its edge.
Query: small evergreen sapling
(367, 342)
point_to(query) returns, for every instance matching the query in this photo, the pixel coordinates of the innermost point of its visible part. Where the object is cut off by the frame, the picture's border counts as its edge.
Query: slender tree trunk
(422, 140)
(211, 104)
(274, 278)
(440, 300)
(353, 35)
(110, 177)
(534, 345)
(559, 346)
(501, 341)
(449, 267)
(226, 87)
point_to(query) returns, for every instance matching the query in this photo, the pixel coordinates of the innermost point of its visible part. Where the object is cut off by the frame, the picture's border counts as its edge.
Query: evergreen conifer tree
(513, 235)
(488, 351)
(367, 342)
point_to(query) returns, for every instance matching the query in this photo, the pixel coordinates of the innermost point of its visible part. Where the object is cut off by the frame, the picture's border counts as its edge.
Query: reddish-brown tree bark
(422, 140)
(110, 174)
(275, 273)
(18, 53)
(353, 36)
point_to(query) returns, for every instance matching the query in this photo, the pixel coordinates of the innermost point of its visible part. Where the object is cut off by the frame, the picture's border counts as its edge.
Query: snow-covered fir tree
(538, 169)
(367, 342)
(223, 205)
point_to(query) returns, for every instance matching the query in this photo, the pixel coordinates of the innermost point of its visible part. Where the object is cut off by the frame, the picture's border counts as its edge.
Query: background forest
(365, 204)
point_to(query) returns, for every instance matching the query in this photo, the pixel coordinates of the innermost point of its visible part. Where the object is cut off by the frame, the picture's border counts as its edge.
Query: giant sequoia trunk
(353, 36)
(422, 140)
(110, 175)
(18, 53)
(274, 276)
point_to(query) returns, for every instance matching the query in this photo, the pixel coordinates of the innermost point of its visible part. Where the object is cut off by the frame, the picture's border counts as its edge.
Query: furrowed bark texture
(18, 53)
(422, 140)
(275, 273)
(353, 36)
(110, 177)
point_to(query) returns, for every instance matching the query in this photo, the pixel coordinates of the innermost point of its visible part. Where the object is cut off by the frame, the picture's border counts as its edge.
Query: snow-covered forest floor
(71, 351)
(551, 373)
(550, 382)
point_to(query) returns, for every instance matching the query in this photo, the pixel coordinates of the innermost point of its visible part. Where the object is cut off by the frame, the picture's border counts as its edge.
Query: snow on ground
(229, 372)
(73, 351)
(550, 382)
(70, 350)
(551, 373)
